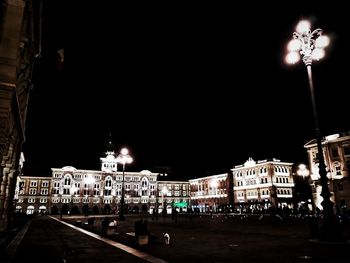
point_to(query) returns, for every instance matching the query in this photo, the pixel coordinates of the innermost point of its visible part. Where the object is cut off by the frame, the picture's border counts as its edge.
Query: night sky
(196, 88)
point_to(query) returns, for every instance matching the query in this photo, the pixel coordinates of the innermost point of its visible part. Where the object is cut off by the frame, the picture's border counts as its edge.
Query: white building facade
(336, 152)
(263, 184)
(71, 190)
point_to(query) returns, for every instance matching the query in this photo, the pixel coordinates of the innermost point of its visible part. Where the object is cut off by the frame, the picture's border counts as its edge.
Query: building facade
(336, 152)
(212, 193)
(20, 31)
(263, 185)
(72, 190)
(32, 194)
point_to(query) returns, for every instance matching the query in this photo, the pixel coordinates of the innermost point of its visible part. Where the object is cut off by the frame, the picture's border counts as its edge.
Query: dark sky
(196, 88)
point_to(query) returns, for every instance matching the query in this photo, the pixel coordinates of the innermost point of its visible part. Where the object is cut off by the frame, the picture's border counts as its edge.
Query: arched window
(144, 182)
(108, 182)
(67, 180)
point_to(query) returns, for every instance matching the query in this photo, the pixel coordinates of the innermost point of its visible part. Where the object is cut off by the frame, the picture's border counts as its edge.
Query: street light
(155, 212)
(89, 181)
(73, 192)
(304, 172)
(214, 185)
(123, 158)
(309, 44)
(164, 193)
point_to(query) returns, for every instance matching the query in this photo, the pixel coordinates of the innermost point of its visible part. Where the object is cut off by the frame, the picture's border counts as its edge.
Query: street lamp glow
(123, 158)
(303, 171)
(303, 26)
(214, 183)
(74, 190)
(124, 151)
(317, 54)
(165, 191)
(322, 41)
(89, 180)
(294, 45)
(292, 57)
(308, 43)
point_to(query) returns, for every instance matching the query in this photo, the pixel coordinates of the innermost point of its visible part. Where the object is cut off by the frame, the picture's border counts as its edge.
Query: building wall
(336, 152)
(19, 44)
(86, 191)
(211, 193)
(33, 194)
(263, 184)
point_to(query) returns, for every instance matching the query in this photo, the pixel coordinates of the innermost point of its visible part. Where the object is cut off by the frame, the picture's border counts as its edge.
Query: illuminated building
(263, 184)
(211, 193)
(336, 152)
(32, 194)
(74, 190)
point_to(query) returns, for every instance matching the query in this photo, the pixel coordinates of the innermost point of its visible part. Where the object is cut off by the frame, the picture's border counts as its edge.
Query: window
(144, 182)
(32, 191)
(335, 153)
(338, 169)
(108, 182)
(55, 191)
(67, 180)
(45, 184)
(346, 149)
(33, 183)
(108, 192)
(66, 191)
(44, 191)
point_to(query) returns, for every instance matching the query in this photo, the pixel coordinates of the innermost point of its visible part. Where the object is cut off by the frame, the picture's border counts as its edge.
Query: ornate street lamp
(304, 172)
(123, 158)
(309, 44)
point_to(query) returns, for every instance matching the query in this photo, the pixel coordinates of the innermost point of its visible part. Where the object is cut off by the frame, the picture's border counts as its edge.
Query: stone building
(263, 184)
(20, 37)
(212, 193)
(336, 152)
(72, 190)
(32, 194)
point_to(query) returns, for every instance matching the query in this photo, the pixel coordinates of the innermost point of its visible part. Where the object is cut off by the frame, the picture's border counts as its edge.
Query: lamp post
(89, 181)
(309, 44)
(123, 158)
(73, 191)
(304, 172)
(214, 185)
(157, 193)
(164, 193)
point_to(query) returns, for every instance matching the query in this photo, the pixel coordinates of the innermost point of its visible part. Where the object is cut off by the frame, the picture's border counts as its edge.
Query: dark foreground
(196, 239)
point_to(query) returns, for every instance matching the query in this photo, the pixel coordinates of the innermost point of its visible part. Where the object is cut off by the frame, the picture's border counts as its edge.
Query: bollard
(166, 239)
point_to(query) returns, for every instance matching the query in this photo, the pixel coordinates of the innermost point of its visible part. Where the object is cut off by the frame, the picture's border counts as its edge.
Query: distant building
(211, 193)
(336, 152)
(72, 190)
(33, 194)
(263, 184)
(20, 37)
